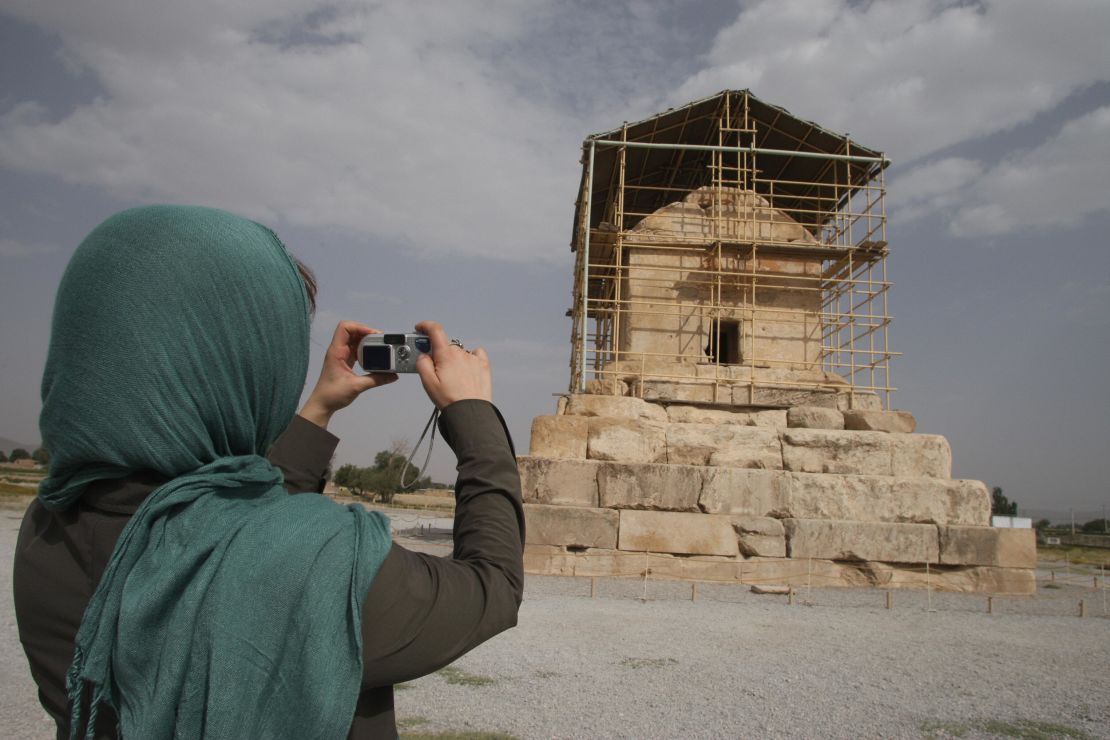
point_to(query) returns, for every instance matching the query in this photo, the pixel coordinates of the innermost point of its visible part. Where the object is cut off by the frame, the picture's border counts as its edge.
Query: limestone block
(775, 396)
(682, 414)
(607, 387)
(713, 372)
(782, 375)
(558, 482)
(616, 407)
(749, 447)
(924, 500)
(789, 572)
(814, 417)
(1007, 548)
(765, 525)
(866, 498)
(861, 498)
(558, 437)
(666, 531)
(1016, 581)
(901, 422)
(693, 444)
(755, 544)
(916, 455)
(771, 418)
(547, 560)
(626, 440)
(831, 451)
(689, 391)
(608, 563)
(649, 367)
(692, 567)
(561, 405)
(969, 503)
(666, 487)
(866, 400)
(965, 579)
(737, 491)
(570, 526)
(841, 540)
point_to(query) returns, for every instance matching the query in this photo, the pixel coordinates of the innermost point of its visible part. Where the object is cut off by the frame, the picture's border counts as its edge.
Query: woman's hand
(450, 373)
(339, 384)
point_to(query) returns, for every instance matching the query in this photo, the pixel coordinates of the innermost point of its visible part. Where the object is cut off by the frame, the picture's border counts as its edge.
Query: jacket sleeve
(422, 611)
(302, 453)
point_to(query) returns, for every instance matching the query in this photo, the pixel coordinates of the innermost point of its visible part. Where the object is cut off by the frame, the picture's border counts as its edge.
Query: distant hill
(7, 445)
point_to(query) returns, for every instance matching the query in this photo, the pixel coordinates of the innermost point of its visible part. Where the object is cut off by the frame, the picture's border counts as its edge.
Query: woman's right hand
(339, 385)
(450, 373)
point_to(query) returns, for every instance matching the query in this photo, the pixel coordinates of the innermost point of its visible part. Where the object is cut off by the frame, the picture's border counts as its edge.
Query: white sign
(1012, 522)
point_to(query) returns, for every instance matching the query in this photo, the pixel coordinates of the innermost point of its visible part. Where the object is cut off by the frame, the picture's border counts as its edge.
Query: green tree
(388, 468)
(342, 475)
(1042, 524)
(1095, 526)
(383, 478)
(41, 456)
(349, 476)
(1000, 505)
(3, 456)
(19, 454)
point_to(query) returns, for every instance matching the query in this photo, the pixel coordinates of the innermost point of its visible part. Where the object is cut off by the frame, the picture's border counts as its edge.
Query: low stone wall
(856, 491)
(554, 560)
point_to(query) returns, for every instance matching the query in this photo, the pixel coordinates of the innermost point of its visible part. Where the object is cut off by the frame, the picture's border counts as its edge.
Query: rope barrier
(796, 573)
(1075, 579)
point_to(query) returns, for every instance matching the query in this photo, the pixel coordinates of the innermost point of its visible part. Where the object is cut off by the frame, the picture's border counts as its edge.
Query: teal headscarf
(229, 608)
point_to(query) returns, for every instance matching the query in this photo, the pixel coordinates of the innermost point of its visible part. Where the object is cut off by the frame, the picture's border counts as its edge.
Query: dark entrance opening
(724, 342)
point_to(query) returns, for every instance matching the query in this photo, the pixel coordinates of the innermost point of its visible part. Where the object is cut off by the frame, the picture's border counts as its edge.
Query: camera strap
(431, 442)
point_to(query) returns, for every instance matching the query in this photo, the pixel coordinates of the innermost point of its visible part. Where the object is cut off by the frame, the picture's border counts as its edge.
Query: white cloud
(453, 127)
(407, 128)
(931, 186)
(1054, 184)
(911, 77)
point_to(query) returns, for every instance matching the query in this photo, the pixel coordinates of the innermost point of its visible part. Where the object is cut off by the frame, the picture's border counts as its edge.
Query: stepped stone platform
(821, 495)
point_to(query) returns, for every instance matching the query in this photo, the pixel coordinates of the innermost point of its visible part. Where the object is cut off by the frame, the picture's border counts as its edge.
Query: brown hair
(309, 280)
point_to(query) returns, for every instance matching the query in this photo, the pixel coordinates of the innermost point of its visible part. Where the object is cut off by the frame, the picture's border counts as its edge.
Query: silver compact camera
(392, 353)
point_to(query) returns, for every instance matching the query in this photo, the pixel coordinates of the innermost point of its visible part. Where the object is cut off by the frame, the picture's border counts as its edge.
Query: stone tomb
(614, 485)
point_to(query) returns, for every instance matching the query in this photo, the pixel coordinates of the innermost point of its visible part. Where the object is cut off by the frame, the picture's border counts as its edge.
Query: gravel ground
(834, 664)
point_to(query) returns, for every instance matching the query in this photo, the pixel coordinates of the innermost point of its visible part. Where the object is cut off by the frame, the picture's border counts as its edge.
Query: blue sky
(423, 159)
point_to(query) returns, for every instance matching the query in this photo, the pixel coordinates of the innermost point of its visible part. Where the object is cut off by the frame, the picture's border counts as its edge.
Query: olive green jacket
(421, 613)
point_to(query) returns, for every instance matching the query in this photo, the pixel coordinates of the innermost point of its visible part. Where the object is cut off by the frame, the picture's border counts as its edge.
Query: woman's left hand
(339, 385)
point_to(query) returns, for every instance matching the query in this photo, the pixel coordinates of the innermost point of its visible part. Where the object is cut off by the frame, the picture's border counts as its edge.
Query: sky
(423, 159)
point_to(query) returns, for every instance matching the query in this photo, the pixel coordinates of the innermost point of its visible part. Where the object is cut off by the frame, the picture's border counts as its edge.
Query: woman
(165, 582)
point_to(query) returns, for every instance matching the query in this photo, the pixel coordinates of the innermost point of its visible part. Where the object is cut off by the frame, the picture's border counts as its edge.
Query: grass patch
(459, 677)
(11, 489)
(545, 674)
(1049, 554)
(648, 662)
(457, 735)
(1023, 729)
(406, 722)
(5, 468)
(402, 686)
